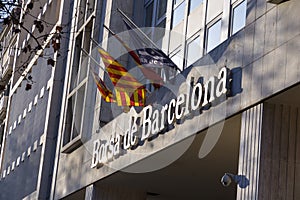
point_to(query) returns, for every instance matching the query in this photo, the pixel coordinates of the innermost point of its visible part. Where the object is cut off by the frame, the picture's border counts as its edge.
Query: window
(149, 15)
(194, 51)
(155, 13)
(90, 8)
(161, 9)
(155, 16)
(81, 13)
(178, 12)
(177, 59)
(239, 17)
(213, 36)
(194, 4)
(77, 90)
(84, 11)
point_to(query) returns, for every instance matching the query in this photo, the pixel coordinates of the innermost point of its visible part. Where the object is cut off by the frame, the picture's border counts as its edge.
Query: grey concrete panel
(268, 74)
(251, 7)
(279, 68)
(28, 131)
(288, 25)
(23, 180)
(259, 37)
(260, 8)
(246, 85)
(270, 6)
(292, 62)
(237, 49)
(257, 79)
(248, 44)
(270, 32)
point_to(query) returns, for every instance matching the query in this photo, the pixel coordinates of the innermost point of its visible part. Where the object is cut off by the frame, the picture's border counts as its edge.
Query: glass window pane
(81, 14)
(76, 60)
(193, 51)
(69, 121)
(78, 111)
(161, 8)
(149, 15)
(213, 36)
(194, 4)
(239, 17)
(177, 59)
(178, 14)
(177, 1)
(84, 60)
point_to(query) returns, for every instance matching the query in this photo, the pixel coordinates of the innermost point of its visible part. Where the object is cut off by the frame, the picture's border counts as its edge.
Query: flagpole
(95, 61)
(96, 43)
(109, 30)
(136, 27)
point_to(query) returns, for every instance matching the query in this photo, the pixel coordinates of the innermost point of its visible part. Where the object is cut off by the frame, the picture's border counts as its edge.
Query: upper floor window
(177, 58)
(161, 9)
(238, 17)
(149, 14)
(194, 4)
(178, 12)
(84, 10)
(155, 13)
(213, 36)
(193, 51)
(77, 90)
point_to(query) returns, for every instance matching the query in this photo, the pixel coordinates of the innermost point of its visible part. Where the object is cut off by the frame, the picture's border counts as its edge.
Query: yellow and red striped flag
(151, 75)
(128, 90)
(106, 94)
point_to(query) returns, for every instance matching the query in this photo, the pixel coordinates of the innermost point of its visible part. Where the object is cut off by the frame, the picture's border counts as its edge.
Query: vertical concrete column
(249, 155)
(89, 192)
(280, 152)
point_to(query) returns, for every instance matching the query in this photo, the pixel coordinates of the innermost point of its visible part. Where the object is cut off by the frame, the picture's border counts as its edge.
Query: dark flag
(149, 57)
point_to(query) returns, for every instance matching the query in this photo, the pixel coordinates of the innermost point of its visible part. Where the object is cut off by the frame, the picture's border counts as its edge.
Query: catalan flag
(151, 75)
(128, 90)
(106, 94)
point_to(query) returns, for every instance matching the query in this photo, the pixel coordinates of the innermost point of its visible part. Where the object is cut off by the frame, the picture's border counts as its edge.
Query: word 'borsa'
(154, 120)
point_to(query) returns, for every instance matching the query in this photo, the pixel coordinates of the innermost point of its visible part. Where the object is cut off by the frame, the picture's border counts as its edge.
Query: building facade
(233, 107)
(30, 122)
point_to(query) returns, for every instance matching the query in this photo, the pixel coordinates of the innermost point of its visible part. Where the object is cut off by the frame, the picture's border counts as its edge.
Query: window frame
(177, 52)
(146, 5)
(188, 42)
(232, 7)
(207, 27)
(69, 142)
(163, 17)
(190, 3)
(174, 7)
(155, 21)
